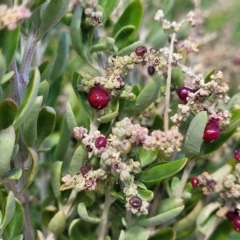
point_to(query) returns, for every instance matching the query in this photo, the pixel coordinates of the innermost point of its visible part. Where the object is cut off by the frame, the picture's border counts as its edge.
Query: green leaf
(44, 90)
(7, 140)
(9, 209)
(51, 15)
(130, 48)
(56, 178)
(208, 76)
(32, 173)
(157, 123)
(8, 112)
(40, 235)
(58, 223)
(234, 120)
(79, 158)
(146, 194)
(29, 99)
(209, 147)
(162, 171)
(19, 237)
(166, 233)
(2, 67)
(147, 96)
(108, 117)
(189, 220)
(14, 173)
(15, 225)
(169, 203)
(122, 36)
(8, 44)
(47, 214)
(108, 6)
(194, 136)
(45, 123)
(146, 157)
(132, 15)
(71, 121)
(80, 230)
(84, 215)
(118, 195)
(47, 68)
(161, 218)
(234, 102)
(222, 231)
(62, 57)
(37, 3)
(7, 77)
(136, 232)
(76, 33)
(29, 127)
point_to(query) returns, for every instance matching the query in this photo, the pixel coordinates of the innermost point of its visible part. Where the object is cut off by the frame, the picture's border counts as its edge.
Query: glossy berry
(231, 215)
(140, 51)
(237, 155)
(86, 168)
(194, 182)
(151, 70)
(98, 97)
(183, 93)
(135, 202)
(101, 142)
(236, 223)
(211, 131)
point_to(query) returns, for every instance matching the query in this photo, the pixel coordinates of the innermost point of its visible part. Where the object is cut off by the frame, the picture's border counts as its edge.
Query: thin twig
(168, 85)
(187, 170)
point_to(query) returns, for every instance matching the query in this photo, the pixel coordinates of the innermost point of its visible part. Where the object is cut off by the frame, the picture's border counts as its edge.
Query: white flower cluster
(10, 17)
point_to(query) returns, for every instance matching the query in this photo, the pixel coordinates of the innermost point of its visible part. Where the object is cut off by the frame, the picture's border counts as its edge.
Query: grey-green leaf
(194, 136)
(51, 15)
(84, 215)
(71, 121)
(58, 223)
(7, 140)
(136, 232)
(56, 178)
(14, 173)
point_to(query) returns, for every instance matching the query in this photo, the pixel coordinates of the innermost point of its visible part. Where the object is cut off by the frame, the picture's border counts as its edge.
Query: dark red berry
(183, 93)
(89, 148)
(86, 168)
(236, 223)
(98, 97)
(135, 202)
(101, 142)
(211, 131)
(140, 51)
(237, 155)
(151, 70)
(231, 215)
(194, 182)
(215, 119)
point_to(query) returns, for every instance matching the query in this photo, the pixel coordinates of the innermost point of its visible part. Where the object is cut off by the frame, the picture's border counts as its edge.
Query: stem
(185, 176)
(104, 222)
(156, 200)
(168, 85)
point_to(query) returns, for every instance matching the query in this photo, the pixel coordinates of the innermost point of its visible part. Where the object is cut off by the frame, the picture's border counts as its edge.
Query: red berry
(237, 155)
(151, 70)
(101, 142)
(86, 168)
(231, 215)
(236, 223)
(140, 51)
(194, 182)
(183, 93)
(135, 202)
(98, 97)
(211, 131)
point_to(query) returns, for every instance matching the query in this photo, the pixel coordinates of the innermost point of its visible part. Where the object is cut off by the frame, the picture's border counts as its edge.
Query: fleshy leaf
(132, 15)
(130, 48)
(84, 215)
(14, 173)
(15, 225)
(45, 123)
(8, 111)
(234, 120)
(194, 136)
(162, 171)
(44, 90)
(207, 78)
(169, 203)
(71, 121)
(147, 96)
(145, 194)
(29, 129)
(80, 156)
(56, 178)
(146, 157)
(29, 99)
(58, 223)
(165, 233)
(8, 44)
(2, 67)
(51, 15)
(7, 140)
(108, 117)
(108, 6)
(9, 209)
(136, 232)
